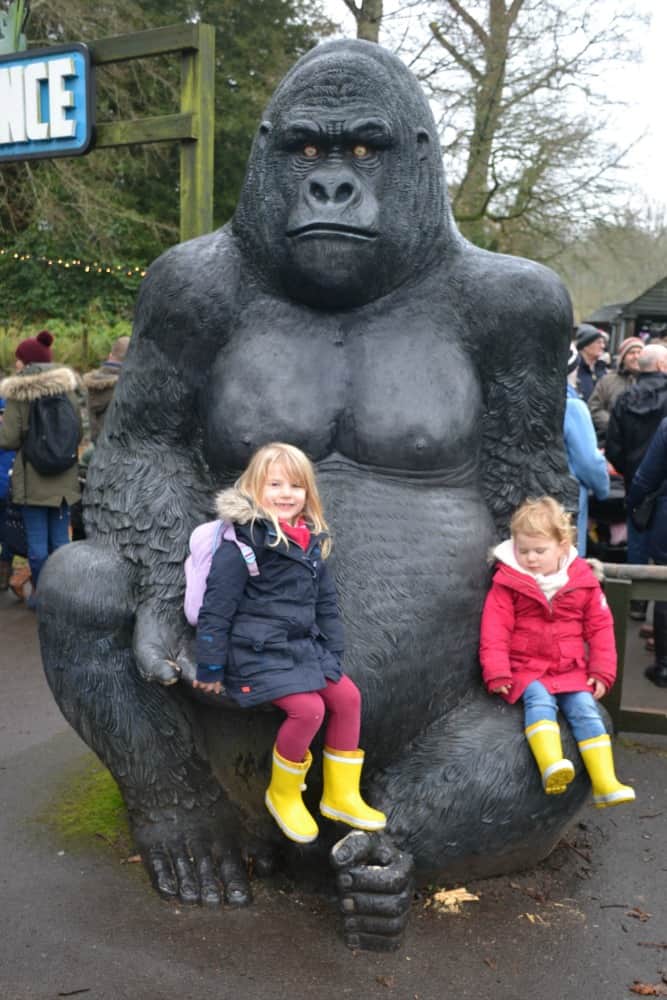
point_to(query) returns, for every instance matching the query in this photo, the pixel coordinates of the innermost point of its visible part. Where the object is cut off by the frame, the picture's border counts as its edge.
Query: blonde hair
(543, 516)
(300, 470)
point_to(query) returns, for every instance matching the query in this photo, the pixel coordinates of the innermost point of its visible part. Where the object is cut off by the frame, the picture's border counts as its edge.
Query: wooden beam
(158, 129)
(155, 42)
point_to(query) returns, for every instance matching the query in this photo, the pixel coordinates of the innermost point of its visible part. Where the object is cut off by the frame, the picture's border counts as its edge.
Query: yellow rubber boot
(284, 802)
(544, 741)
(599, 762)
(341, 799)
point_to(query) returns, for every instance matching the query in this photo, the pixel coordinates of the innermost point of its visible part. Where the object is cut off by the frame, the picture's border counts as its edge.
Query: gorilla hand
(375, 882)
(160, 647)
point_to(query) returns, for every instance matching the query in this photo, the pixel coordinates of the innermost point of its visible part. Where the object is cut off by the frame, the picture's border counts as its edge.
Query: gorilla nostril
(344, 192)
(318, 191)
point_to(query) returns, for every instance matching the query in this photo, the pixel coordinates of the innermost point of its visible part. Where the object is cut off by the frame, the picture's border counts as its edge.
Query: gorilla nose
(332, 191)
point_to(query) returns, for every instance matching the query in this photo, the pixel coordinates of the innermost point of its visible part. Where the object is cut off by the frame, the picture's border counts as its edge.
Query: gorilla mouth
(314, 229)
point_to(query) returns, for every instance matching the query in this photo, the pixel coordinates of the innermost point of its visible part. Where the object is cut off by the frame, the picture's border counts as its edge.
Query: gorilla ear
(423, 142)
(264, 132)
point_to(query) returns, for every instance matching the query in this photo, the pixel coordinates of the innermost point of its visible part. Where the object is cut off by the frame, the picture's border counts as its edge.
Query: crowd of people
(627, 405)
(50, 418)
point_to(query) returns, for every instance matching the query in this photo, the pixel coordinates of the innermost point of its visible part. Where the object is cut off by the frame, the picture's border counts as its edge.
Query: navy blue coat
(650, 476)
(274, 634)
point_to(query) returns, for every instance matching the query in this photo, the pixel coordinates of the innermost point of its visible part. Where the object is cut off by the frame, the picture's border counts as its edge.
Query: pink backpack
(204, 542)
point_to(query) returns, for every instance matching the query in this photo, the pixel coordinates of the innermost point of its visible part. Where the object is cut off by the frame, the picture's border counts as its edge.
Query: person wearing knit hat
(591, 344)
(45, 498)
(35, 350)
(609, 388)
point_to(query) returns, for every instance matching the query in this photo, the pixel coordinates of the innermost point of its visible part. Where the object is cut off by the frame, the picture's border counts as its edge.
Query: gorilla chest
(398, 393)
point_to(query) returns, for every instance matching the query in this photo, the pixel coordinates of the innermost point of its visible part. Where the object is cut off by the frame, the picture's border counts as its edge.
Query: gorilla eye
(360, 151)
(310, 152)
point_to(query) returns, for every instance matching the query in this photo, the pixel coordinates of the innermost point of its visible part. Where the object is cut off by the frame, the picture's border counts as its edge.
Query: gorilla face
(333, 225)
(343, 197)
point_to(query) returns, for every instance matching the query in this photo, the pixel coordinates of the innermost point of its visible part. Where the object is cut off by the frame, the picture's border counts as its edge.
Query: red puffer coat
(524, 638)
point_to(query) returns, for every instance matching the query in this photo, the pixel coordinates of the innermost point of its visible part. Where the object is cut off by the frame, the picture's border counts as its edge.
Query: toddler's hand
(599, 689)
(215, 687)
(504, 689)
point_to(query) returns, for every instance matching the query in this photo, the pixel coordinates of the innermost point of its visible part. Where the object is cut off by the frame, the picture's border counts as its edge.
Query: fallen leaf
(492, 964)
(387, 981)
(648, 989)
(638, 914)
(134, 859)
(450, 900)
(534, 918)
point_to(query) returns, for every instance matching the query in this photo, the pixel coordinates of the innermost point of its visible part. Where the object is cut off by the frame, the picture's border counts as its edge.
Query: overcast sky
(642, 85)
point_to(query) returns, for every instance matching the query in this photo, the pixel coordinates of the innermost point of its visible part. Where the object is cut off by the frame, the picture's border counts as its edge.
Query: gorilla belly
(411, 568)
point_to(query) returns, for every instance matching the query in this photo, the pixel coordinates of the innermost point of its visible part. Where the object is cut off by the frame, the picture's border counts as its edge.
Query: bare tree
(524, 116)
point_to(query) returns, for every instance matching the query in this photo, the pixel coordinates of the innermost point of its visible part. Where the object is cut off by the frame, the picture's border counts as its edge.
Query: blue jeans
(578, 707)
(46, 528)
(637, 553)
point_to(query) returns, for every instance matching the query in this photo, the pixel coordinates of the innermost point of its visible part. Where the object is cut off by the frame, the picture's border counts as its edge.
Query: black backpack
(53, 435)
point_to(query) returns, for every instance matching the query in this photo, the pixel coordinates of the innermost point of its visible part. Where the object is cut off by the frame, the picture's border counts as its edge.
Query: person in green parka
(45, 499)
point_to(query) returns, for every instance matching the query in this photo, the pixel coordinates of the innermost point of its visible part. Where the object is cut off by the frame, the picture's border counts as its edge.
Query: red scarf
(299, 533)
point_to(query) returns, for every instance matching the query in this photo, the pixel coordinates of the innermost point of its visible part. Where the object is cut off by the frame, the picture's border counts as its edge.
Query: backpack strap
(229, 534)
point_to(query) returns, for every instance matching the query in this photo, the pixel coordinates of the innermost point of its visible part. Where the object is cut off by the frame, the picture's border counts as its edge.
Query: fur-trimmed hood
(232, 505)
(36, 381)
(101, 379)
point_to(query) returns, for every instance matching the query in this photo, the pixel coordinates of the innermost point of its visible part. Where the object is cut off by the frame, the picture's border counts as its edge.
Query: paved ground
(588, 922)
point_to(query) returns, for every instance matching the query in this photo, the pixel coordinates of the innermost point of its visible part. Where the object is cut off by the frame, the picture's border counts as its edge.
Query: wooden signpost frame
(193, 126)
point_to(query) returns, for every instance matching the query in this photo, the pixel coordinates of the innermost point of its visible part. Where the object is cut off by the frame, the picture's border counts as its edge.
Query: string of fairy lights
(91, 267)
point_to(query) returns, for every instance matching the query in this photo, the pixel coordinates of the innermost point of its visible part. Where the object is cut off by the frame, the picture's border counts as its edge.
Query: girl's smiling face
(281, 496)
(539, 553)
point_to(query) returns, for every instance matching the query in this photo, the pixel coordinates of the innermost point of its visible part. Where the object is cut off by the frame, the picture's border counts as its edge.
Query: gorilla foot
(196, 875)
(375, 884)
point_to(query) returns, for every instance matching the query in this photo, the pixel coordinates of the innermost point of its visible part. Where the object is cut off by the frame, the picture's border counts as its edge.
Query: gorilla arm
(522, 360)
(148, 484)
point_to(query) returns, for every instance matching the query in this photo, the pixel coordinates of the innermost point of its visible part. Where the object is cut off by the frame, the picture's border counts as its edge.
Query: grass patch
(88, 809)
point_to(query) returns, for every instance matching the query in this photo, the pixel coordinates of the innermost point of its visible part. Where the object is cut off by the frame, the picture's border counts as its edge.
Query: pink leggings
(305, 712)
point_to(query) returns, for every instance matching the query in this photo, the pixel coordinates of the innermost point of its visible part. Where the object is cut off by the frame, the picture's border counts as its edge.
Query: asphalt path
(588, 922)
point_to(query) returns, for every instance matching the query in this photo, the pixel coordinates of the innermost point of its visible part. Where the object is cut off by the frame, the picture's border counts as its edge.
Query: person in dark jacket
(591, 344)
(614, 384)
(633, 422)
(651, 476)
(46, 499)
(277, 637)
(101, 384)
(6, 553)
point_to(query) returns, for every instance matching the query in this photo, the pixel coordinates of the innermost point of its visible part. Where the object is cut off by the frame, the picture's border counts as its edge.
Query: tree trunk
(368, 16)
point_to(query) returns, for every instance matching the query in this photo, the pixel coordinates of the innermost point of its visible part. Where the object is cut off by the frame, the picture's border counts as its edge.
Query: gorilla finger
(359, 941)
(235, 881)
(188, 883)
(376, 925)
(376, 904)
(373, 878)
(161, 872)
(356, 846)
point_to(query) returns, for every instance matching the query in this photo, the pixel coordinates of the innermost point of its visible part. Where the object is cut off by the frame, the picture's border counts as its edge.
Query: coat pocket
(259, 646)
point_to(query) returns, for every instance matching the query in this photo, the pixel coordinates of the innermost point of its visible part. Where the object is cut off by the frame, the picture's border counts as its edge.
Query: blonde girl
(278, 637)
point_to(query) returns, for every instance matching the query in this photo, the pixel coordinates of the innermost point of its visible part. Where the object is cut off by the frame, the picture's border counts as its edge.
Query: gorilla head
(344, 197)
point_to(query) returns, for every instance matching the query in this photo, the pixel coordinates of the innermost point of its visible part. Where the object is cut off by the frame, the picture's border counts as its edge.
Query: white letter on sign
(35, 127)
(12, 119)
(60, 98)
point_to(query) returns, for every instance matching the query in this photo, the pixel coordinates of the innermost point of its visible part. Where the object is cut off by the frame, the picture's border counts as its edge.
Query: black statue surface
(340, 311)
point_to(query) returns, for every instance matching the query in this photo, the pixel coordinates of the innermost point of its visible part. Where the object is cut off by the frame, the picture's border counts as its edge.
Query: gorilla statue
(341, 311)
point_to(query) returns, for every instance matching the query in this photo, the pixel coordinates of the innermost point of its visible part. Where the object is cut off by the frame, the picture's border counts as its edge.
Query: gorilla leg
(466, 799)
(143, 732)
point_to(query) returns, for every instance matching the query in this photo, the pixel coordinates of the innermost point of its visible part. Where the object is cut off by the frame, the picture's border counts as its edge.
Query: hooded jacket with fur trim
(34, 382)
(562, 642)
(100, 385)
(274, 634)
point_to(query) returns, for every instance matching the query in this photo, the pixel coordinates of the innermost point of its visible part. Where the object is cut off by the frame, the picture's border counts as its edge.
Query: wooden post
(198, 99)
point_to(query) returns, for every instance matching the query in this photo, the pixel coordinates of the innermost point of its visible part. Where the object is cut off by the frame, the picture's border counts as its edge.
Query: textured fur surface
(48, 381)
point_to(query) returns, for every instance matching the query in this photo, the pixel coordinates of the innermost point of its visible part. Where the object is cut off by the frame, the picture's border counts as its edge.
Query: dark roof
(606, 314)
(652, 302)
